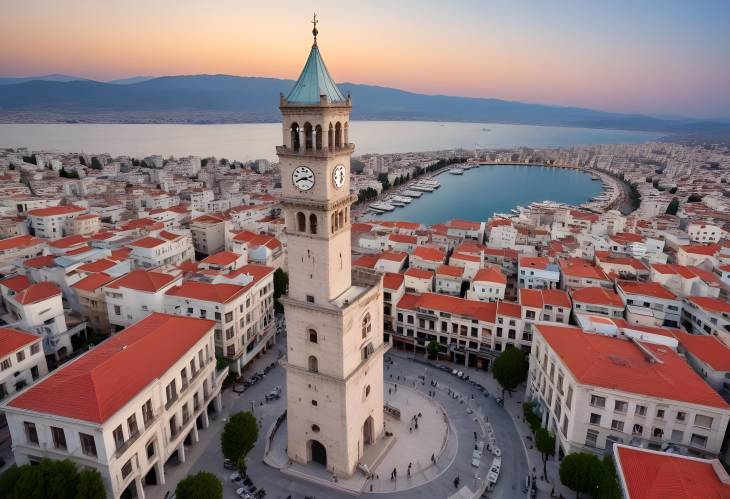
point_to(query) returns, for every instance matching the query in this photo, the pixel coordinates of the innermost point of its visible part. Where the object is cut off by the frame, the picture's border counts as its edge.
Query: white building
(16, 249)
(136, 295)
(489, 284)
(52, 222)
(537, 273)
(704, 232)
(138, 398)
(167, 248)
(22, 360)
(649, 304)
(705, 315)
(594, 390)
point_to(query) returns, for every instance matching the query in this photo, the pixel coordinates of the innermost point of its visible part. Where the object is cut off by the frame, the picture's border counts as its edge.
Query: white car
(235, 477)
(242, 492)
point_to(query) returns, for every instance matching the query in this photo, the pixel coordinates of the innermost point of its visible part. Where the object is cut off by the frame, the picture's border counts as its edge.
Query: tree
(581, 472)
(673, 190)
(61, 478)
(433, 348)
(239, 435)
(95, 163)
(510, 368)
(545, 443)
(673, 207)
(8, 480)
(203, 485)
(31, 483)
(281, 286)
(608, 487)
(90, 485)
(383, 179)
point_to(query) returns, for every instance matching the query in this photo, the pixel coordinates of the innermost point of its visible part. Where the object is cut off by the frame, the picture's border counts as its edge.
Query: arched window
(346, 133)
(340, 219)
(338, 135)
(367, 351)
(347, 215)
(366, 325)
(312, 364)
(331, 137)
(367, 391)
(301, 222)
(307, 136)
(318, 137)
(313, 223)
(312, 335)
(295, 136)
(334, 222)
(315, 428)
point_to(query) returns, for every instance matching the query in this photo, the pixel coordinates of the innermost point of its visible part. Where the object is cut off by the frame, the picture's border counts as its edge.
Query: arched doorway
(318, 453)
(367, 431)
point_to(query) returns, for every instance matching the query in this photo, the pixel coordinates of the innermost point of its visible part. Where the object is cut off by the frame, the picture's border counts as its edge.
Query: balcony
(127, 444)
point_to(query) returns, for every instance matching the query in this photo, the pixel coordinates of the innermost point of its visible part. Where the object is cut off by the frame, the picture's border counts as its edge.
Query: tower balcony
(323, 153)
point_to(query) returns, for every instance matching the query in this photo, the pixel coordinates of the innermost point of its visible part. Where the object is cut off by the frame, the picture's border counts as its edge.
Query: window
(118, 436)
(595, 418)
(591, 438)
(703, 421)
(677, 436)
(171, 392)
(640, 410)
(88, 444)
(366, 325)
(150, 449)
(127, 469)
(314, 403)
(310, 299)
(597, 401)
(620, 406)
(660, 413)
(229, 316)
(367, 391)
(617, 425)
(147, 415)
(698, 440)
(6, 363)
(132, 425)
(682, 416)
(637, 430)
(657, 433)
(315, 428)
(312, 336)
(20, 356)
(59, 438)
(367, 351)
(312, 364)
(31, 434)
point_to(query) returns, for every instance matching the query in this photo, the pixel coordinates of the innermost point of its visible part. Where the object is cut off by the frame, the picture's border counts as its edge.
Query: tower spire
(314, 30)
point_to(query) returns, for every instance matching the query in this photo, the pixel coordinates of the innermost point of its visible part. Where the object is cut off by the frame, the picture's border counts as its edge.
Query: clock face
(303, 178)
(338, 176)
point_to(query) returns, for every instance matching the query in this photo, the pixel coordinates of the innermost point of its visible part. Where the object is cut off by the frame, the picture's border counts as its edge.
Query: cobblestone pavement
(206, 455)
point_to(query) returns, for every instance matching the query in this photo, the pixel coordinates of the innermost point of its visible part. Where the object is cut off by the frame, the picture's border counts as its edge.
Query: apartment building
(134, 296)
(427, 258)
(622, 267)
(597, 301)
(223, 261)
(242, 306)
(22, 360)
(593, 391)
(418, 280)
(685, 281)
(449, 279)
(709, 357)
(14, 250)
(125, 430)
(167, 248)
(262, 249)
(649, 304)
(52, 222)
(537, 273)
(542, 305)
(577, 273)
(469, 262)
(705, 256)
(92, 300)
(488, 284)
(394, 287)
(704, 233)
(704, 315)
(210, 233)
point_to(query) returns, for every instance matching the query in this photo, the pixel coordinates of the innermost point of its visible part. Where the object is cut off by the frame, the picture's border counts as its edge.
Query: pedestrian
(409, 465)
(475, 435)
(395, 473)
(396, 388)
(433, 458)
(408, 473)
(390, 390)
(456, 482)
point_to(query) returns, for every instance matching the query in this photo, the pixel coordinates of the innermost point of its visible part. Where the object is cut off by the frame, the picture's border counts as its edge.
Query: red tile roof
(419, 273)
(402, 238)
(143, 280)
(537, 262)
(464, 225)
(37, 292)
(68, 241)
(53, 211)
(361, 227)
(707, 348)
(712, 304)
(12, 340)
(366, 261)
(222, 258)
(538, 298)
(618, 364)
(393, 256)
(19, 242)
(429, 254)
(509, 309)
(484, 311)
(598, 296)
(701, 249)
(466, 257)
(257, 272)
(40, 261)
(581, 269)
(96, 385)
(391, 280)
(449, 270)
(490, 274)
(648, 474)
(97, 266)
(205, 291)
(17, 282)
(147, 242)
(653, 289)
(400, 225)
(627, 237)
(93, 282)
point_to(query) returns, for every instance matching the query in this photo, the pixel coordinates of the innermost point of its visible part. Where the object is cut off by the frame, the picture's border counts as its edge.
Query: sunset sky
(661, 57)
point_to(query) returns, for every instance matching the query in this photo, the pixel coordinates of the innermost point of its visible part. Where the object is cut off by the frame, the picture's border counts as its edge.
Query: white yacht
(382, 206)
(402, 199)
(412, 194)
(456, 171)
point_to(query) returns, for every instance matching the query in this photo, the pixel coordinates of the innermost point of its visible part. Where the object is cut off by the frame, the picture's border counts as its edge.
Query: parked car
(229, 465)
(444, 368)
(236, 477)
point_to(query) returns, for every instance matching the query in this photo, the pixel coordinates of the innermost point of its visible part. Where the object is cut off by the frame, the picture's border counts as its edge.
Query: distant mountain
(53, 77)
(235, 99)
(133, 79)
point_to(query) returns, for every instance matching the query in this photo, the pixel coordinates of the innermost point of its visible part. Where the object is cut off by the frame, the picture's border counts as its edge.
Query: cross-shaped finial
(314, 30)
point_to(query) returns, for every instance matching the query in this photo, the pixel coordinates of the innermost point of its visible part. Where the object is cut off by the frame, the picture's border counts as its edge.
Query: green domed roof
(314, 81)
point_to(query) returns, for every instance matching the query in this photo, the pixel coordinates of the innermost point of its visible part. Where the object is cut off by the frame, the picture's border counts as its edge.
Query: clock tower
(334, 316)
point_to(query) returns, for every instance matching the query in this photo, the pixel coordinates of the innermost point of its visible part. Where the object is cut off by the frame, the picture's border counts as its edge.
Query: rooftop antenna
(314, 30)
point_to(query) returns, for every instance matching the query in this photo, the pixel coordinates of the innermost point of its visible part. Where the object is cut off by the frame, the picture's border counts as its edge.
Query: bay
(257, 140)
(481, 192)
